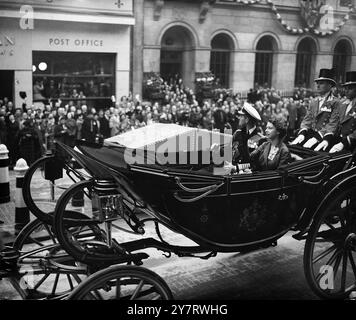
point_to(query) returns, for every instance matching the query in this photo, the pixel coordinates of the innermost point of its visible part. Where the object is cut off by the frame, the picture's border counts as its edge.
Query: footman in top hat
(321, 121)
(346, 135)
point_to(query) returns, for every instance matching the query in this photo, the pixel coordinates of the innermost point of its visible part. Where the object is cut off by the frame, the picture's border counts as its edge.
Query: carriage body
(225, 213)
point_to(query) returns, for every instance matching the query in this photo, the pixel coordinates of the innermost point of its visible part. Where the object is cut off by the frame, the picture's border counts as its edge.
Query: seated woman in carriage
(272, 154)
(250, 147)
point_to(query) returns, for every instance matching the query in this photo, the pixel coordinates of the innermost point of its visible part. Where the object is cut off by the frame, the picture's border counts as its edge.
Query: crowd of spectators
(28, 131)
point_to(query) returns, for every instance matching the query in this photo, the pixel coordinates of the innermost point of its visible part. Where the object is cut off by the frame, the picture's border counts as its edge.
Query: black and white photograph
(201, 152)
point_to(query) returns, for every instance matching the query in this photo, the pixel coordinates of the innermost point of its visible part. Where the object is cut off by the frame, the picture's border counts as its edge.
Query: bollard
(4, 175)
(22, 214)
(78, 198)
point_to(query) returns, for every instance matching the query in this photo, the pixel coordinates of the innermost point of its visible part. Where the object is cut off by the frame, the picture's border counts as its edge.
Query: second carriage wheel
(44, 183)
(98, 254)
(123, 283)
(330, 249)
(45, 270)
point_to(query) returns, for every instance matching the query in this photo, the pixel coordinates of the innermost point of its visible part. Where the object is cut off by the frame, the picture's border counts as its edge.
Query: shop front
(79, 57)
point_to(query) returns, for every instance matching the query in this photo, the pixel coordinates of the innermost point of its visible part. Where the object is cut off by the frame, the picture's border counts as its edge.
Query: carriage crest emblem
(310, 12)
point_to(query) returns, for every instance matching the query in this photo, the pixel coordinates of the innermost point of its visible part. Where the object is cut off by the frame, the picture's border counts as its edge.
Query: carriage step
(300, 236)
(138, 257)
(135, 258)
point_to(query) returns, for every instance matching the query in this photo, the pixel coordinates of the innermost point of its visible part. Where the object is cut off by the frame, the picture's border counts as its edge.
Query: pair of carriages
(72, 250)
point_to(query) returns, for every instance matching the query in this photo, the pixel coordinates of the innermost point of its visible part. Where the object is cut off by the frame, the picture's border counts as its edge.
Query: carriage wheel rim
(115, 278)
(46, 272)
(333, 235)
(350, 241)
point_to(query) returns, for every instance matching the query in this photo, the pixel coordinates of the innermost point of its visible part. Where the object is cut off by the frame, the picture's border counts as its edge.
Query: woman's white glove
(215, 148)
(298, 140)
(337, 148)
(311, 143)
(322, 146)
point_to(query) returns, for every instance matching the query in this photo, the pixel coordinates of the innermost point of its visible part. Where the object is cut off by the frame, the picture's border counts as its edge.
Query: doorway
(171, 64)
(7, 84)
(178, 55)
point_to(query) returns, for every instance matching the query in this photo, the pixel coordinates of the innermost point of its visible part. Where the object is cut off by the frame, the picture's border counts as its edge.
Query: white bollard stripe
(4, 175)
(19, 201)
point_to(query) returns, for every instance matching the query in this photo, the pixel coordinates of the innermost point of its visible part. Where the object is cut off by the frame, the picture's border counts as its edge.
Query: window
(264, 61)
(220, 59)
(305, 63)
(345, 3)
(342, 59)
(72, 75)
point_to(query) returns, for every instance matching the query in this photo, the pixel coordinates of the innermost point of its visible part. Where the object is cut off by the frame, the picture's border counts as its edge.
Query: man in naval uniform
(246, 139)
(321, 121)
(346, 135)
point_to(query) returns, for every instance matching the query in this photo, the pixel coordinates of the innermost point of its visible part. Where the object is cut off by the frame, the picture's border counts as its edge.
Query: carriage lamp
(106, 201)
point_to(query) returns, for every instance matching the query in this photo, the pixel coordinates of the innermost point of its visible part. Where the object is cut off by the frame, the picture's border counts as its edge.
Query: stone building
(278, 43)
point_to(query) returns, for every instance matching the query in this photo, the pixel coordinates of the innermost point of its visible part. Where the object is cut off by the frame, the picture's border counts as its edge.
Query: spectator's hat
(27, 123)
(350, 78)
(249, 110)
(327, 75)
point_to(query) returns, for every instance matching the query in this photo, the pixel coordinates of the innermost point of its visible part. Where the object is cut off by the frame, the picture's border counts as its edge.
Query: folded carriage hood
(152, 144)
(159, 133)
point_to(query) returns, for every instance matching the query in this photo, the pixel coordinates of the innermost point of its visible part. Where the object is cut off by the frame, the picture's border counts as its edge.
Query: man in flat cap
(322, 120)
(246, 139)
(345, 138)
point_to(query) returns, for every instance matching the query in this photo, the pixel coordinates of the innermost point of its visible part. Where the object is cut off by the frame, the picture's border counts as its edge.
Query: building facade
(59, 48)
(281, 44)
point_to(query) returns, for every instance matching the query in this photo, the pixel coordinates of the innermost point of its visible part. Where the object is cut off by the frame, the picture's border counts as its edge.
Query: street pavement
(269, 274)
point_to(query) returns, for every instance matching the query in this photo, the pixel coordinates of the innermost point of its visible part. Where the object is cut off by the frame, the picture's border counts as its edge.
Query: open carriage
(315, 196)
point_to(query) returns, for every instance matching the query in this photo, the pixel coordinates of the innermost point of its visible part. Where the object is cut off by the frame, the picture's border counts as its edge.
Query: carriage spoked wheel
(330, 249)
(44, 182)
(98, 254)
(123, 283)
(45, 270)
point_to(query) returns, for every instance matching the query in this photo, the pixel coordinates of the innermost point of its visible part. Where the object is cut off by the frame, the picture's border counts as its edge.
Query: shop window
(220, 59)
(86, 78)
(345, 3)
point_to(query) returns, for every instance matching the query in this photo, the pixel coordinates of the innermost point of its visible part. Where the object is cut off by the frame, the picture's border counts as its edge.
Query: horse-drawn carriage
(77, 249)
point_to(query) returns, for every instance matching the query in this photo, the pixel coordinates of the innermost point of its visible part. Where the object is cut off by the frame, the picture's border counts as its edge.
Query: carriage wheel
(94, 253)
(125, 283)
(330, 249)
(46, 271)
(41, 195)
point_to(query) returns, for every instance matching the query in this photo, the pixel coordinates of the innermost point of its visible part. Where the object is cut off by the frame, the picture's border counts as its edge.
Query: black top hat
(327, 75)
(350, 78)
